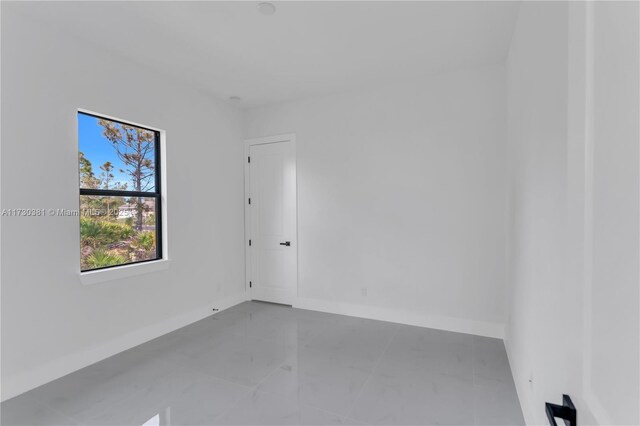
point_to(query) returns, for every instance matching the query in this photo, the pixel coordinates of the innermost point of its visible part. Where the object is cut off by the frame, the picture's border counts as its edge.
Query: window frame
(156, 194)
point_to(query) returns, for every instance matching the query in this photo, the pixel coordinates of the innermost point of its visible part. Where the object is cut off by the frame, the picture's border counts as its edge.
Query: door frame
(248, 143)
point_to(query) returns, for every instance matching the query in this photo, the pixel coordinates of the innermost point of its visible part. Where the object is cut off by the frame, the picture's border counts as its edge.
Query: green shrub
(150, 220)
(146, 240)
(116, 231)
(90, 232)
(95, 233)
(101, 259)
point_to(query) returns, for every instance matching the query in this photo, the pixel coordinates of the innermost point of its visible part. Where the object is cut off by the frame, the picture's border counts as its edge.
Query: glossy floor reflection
(264, 364)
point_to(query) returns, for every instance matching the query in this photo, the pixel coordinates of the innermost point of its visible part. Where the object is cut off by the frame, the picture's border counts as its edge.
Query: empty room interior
(320, 213)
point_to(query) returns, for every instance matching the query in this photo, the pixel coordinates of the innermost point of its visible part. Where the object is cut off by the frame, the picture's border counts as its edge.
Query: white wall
(573, 143)
(401, 190)
(51, 323)
(612, 323)
(538, 99)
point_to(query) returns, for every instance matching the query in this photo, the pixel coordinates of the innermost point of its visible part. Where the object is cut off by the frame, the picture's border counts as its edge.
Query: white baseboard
(420, 319)
(23, 382)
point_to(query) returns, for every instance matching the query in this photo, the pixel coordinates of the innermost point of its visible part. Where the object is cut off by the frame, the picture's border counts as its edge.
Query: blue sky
(98, 149)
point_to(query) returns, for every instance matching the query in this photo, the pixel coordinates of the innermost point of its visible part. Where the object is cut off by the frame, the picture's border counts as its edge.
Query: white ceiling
(305, 49)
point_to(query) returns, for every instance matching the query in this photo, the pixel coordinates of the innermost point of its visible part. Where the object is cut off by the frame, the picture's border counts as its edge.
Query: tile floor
(265, 364)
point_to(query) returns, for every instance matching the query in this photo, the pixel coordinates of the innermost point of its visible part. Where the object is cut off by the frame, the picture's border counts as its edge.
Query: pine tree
(135, 148)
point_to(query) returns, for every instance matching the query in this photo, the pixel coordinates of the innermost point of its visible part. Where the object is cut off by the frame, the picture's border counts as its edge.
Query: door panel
(272, 222)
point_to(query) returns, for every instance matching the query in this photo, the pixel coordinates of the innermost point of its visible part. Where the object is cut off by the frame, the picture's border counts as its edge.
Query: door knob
(286, 243)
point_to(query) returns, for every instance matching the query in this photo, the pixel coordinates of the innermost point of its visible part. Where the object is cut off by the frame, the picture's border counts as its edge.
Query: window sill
(119, 272)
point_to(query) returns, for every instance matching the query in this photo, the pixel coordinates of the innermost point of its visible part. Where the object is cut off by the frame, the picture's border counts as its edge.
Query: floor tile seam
(185, 366)
(368, 379)
(64, 413)
(176, 364)
(43, 404)
(323, 331)
(202, 353)
(305, 404)
(232, 405)
(244, 335)
(250, 391)
(207, 374)
(211, 375)
(352, 420)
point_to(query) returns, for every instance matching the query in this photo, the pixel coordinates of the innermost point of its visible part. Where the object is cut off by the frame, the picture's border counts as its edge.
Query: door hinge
(250, 284)
(248, 159)
(249, 200)
(249, 243)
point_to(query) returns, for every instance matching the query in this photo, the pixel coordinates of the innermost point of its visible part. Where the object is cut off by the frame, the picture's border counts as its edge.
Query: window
(120, 204)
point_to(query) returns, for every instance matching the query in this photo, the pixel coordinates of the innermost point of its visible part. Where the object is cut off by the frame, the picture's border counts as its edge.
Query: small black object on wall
(566, 411)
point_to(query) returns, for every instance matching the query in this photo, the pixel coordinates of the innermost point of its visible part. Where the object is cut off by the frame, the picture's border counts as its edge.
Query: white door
(271, 219)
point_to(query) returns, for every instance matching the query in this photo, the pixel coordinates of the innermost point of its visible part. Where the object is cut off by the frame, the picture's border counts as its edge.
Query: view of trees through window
(119, 193)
